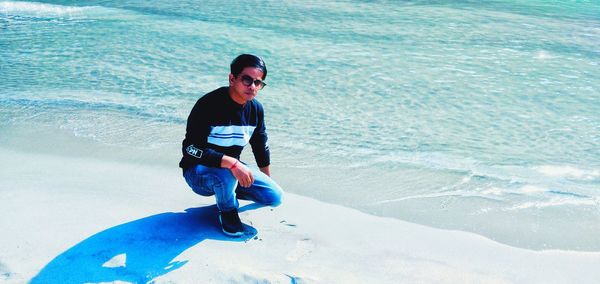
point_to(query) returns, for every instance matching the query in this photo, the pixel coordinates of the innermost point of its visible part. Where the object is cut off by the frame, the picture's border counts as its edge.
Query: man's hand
(239, 171)
(242, 174)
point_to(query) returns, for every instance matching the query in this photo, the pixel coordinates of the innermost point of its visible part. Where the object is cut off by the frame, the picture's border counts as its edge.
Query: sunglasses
(248, 81)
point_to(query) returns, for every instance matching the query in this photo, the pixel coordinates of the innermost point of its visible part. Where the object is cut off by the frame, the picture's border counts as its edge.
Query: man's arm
(242, 173)
(197, 131)
(260, 144)
(266, 170)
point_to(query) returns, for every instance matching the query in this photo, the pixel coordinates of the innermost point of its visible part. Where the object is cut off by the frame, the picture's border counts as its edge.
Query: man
(219, 126)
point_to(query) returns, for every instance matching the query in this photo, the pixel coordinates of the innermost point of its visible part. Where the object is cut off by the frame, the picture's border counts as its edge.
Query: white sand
(69, 220)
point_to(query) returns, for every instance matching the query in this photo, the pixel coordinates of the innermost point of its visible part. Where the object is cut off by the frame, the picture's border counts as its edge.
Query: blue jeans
(222, 184)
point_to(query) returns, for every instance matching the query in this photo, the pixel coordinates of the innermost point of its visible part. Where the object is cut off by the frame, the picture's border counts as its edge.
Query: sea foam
(569, 172)
(39, 9)
(44, 10)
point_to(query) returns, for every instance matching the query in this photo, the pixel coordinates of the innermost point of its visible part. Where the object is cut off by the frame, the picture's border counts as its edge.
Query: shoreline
(87, 220)
(560, 228)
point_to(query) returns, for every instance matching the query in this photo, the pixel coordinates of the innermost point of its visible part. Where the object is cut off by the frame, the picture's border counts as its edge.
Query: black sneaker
(231, 223)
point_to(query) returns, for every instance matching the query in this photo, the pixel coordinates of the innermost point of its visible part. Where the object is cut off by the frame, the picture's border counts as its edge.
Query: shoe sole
(236, 234)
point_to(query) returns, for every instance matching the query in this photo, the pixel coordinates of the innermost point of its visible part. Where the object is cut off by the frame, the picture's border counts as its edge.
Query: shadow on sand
(147, 247)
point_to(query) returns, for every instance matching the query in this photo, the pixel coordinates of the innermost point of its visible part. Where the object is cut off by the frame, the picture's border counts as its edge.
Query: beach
(78, 219)
(416, 141)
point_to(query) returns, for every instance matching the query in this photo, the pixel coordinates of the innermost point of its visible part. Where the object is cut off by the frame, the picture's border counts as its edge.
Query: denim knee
(273, 197)
(277, 197)
(201, 184)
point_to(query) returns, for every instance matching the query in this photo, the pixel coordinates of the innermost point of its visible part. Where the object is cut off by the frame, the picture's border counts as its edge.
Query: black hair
(248, 60)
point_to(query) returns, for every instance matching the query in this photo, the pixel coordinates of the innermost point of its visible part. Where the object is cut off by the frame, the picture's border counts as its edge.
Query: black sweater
(219, 126)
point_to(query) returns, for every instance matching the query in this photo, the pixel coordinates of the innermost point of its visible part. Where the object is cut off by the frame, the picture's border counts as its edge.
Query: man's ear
(231, 79)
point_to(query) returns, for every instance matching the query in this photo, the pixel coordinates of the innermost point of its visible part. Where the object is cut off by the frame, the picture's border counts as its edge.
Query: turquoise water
(482, 117)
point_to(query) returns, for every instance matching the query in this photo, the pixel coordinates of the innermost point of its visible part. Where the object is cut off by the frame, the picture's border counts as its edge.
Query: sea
(476, 116)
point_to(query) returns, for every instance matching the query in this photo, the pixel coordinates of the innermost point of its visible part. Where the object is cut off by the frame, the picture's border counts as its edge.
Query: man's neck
(236, 99)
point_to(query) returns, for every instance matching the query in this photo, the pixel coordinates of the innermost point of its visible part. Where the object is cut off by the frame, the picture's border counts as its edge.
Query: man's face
(246, 85)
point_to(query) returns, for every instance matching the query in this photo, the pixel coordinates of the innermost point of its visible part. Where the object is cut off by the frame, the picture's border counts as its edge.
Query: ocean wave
(104, 117)
(513, 189)
(569, 172)
(45, 10)
(515, 174)
(66, 105)
(466, 176)
(556, 202)
(36, 8)
(456, 193)
(538, 191)
(497, 193)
